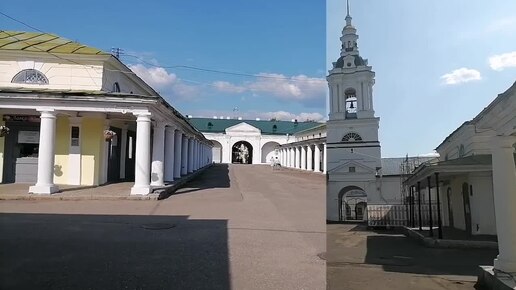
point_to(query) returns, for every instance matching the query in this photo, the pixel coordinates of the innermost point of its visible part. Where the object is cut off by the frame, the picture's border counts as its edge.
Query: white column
(47, 138)
(199, 154)
(290, 157)
(123, 151)
(193, 154)
(184, 156)
(325, 155)
(142, 156)
(158, 155)
(317, 158)
(303, 157)
(178, 154)
(196, 156)
(169, 153)
(190, 155)
(296, 157)
(504, 187)
(309, 164)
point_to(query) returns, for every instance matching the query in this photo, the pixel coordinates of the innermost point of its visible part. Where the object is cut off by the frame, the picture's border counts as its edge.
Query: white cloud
(297, 88)
(287, 116)
(500, 61)
(228, 87)
(251, 115)
(461, 75)
(167, 84)
(156, 77)
(501, 25)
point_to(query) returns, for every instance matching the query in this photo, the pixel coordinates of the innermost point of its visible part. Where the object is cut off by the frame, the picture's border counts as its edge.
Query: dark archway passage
(352, 204)
(242, 152)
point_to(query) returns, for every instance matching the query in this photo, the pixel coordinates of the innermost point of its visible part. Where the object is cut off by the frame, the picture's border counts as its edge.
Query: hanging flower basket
(4, 130)
(108, 135)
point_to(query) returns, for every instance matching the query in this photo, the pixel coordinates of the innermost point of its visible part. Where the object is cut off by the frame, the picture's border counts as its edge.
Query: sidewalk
(112, 191)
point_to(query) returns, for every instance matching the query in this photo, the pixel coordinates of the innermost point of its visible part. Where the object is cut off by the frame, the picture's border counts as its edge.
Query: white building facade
(74, 115)
(354, 153)
(261, 139)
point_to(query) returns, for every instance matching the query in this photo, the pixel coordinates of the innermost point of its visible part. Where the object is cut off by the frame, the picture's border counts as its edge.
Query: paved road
(235, 227)
(361, 259)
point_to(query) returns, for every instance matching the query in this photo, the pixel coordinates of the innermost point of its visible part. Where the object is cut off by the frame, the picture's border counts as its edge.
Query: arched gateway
(242, 152)
(352, 204)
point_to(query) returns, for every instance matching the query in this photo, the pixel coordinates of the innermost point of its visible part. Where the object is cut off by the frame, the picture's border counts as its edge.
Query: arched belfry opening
(352, 204)
(242, 152)
(351, 103)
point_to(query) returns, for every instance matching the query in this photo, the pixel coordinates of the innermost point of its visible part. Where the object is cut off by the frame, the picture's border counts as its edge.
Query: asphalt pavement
(233, 227)
(359, 258)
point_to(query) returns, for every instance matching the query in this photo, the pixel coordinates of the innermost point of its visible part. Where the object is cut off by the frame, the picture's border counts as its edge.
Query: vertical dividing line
(428, 179)
(419, 204)
(439, 222)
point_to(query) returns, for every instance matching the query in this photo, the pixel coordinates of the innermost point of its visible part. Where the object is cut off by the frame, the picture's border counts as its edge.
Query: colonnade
(175, 153)
(309, 156)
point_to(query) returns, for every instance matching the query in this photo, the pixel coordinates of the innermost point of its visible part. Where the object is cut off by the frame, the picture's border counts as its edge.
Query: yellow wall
(2, 141)
(91, 144)
(62, 148)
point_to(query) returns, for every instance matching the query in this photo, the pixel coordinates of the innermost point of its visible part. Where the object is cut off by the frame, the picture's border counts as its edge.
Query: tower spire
(348, 17)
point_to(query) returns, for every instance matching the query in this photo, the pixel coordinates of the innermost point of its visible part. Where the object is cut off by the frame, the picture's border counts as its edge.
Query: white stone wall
(257, 141)
(62, 75)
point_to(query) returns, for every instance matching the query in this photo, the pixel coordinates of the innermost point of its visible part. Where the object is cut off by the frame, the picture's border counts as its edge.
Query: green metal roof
(43, 42)
(267, 127)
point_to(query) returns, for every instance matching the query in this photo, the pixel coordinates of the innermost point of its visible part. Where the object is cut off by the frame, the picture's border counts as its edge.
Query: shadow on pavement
(396, 253)
(62, 251)
(217, 176)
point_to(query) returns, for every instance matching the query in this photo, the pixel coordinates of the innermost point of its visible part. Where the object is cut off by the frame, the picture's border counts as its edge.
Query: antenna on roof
(116, 51)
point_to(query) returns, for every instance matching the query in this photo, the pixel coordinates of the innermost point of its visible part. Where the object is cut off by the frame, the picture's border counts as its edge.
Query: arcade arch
(242, 152)
(216, 151)
(352, 204)
(269, 151)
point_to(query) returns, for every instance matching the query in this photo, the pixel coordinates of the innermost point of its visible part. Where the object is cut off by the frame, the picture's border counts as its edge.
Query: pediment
(242, 128)
(360, 168)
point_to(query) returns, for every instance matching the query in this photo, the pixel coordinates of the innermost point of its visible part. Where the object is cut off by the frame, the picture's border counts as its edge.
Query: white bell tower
(354, 153)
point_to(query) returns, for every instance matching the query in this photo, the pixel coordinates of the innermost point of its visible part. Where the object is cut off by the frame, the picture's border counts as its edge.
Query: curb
(157, 194)
(450, 244)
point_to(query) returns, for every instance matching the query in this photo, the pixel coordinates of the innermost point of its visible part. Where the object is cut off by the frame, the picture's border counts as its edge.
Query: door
(14, 150)
(450, 206)
(130, 155)
(114, 155)
(467, 208)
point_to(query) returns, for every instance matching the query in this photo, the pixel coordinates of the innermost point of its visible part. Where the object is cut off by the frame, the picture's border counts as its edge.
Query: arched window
(461, 151)
(351, 103)
(210, 125)
(30, 76)
(116, 88)
(274, 128)
(351, 137)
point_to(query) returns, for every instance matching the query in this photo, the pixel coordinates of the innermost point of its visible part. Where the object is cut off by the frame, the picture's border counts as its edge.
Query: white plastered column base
(43, 189)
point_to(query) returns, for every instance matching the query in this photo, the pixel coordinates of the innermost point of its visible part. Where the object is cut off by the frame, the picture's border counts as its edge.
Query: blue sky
(431, 60)
(282, 40)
